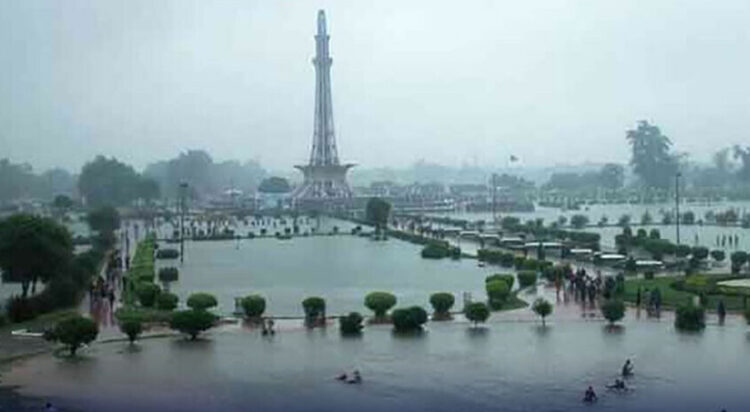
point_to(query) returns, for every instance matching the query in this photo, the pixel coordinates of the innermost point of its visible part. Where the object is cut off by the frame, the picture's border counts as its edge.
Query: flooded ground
(507, 365)
(342, 269)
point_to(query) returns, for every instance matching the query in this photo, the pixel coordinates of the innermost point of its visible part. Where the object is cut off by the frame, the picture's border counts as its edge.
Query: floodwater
(342, 269)
(508, 366)
(689, 234)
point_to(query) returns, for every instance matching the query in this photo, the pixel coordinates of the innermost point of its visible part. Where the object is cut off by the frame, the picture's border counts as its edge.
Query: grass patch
(677, 290)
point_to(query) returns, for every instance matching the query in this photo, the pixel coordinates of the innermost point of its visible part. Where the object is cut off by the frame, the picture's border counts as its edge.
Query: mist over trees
(204, 176)
(107, 181)
(19, 181)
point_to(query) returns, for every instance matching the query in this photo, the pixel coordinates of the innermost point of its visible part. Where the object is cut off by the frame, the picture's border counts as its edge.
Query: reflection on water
(451, 366)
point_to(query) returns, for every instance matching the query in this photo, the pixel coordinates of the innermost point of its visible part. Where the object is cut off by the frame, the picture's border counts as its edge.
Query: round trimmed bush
(507, 278)
(147, 294)
(442, 302)
(253, 305)
(497, 293)
(477, 312)
(167, 301)
(409, 319)
(380, 303)
(74, 332)
(542, 308)
(613, 310)
(526, 278)
(718, 255)
(351, 324)
(192, 322)
(132, 327)
(201, 301)
(168, 274)
(314, 307)
(690, 318)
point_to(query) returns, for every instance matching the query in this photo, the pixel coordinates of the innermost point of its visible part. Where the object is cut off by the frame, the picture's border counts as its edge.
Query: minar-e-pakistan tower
(325, 177)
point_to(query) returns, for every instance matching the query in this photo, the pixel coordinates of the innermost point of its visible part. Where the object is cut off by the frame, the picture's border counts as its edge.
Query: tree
(132, 327)
(579, 221)
(477, 312)
(74, 332)
(63, 203)
(613, 310)
(377, 212)
(442, 302)
(192, 322)
(409, 319)
(743, 154)
(33, 248)
(380, 303)
(253, 305)
(201, 301)
(651, 158)
(612, 176)
(107, 181)
(105, 219)
(542, 308)
(351, 324)
(690, 317)
(274, 184)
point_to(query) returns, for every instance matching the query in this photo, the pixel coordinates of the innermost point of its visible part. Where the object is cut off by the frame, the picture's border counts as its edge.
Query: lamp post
(677, 204)
(183, 192)
(494, 198)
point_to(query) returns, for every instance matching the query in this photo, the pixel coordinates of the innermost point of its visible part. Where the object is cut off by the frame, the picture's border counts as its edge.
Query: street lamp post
(677, 204)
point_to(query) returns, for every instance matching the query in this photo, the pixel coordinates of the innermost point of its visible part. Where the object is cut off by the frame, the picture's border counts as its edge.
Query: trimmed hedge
(168, 274)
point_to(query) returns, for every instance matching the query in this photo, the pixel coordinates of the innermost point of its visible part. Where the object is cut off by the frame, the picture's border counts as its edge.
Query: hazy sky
(446, 81)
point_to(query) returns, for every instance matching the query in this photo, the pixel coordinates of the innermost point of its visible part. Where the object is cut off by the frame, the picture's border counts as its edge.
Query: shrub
(147, 294)
(654, 234)
(351, 324)
(738, 258)
(132, 327)
(314, 307)
(648, 275)
(409, 319)
(747, 315)
(518, 261)
(579, 221)
(507, 259)
(167, 301)
(169, 274)
(253, 305)
(718, 255)
(167, 254)
(682, 250)
(477, 312)
(497, 292)
(507, 278)
(442, 303)
(380, 303)
(613, 310)
(201, 301)
(74, 332)
(526, 278)
(435, 250)
(542, 308)
(690, 317)
(192, 322)
(641, 233)
(700, 252)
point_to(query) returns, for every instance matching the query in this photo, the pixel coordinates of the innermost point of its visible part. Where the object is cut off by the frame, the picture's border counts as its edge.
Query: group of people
(581, 285)
(355, 377)
(723, 240)
(267, 325)
(589, 396)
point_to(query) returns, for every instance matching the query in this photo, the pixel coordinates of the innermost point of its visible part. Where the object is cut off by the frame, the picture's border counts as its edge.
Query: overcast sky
(453, 82)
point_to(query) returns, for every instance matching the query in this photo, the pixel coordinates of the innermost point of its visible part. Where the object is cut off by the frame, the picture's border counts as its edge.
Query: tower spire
(325, 176)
